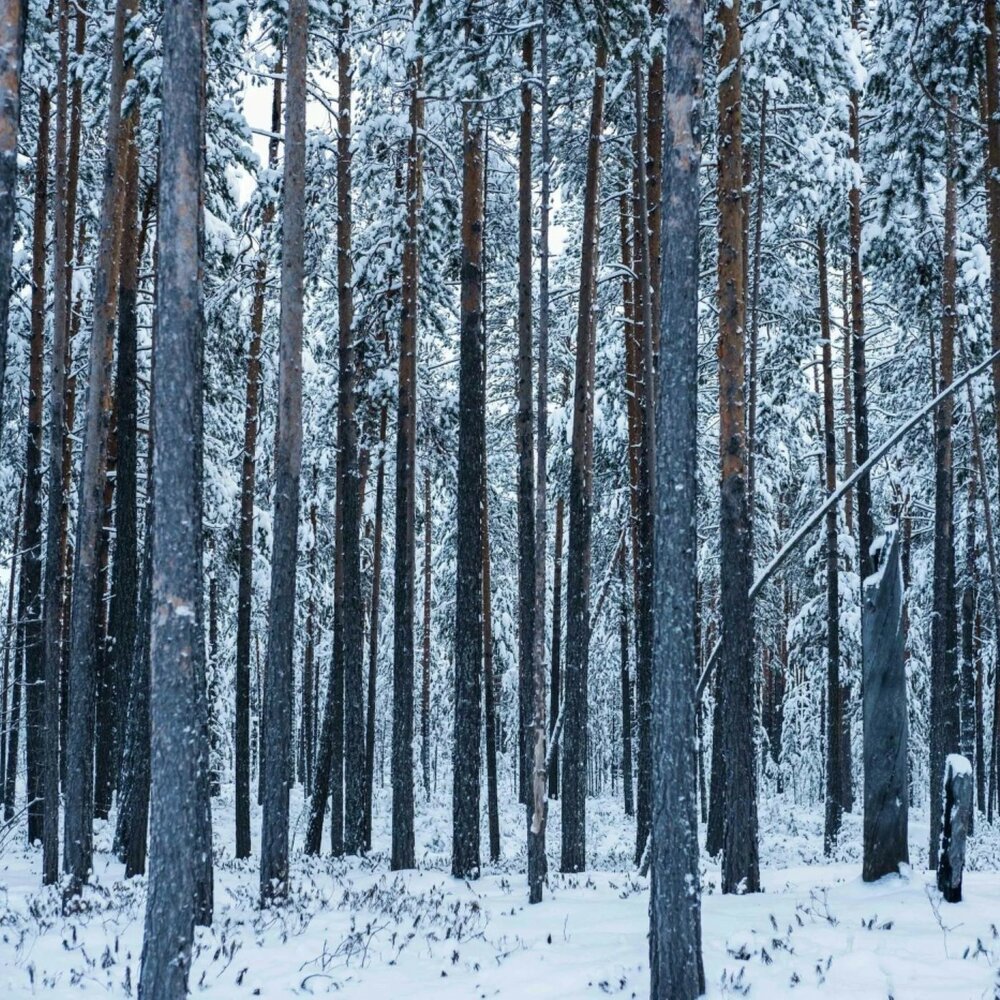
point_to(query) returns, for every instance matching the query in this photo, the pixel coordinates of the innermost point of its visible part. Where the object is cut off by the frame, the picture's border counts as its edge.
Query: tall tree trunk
(675, 905)
(177, 710)
(525, 437)
(993, 185)
(574, 790)
(373, 630)
(34, 650)
(10, 680)
(555, 703)
(643, 326)
(834, 701)
(653, 160)
(404, 568)
(866, 525)
(17, 681)
(489, 687)
(13, 22)
(469, 523)
(279, 678)
(350, 640)
(758, 231)
(540, 783)
(308, 728)
(740, 864)
(945, 692)
(83, 652)
(125, 574)
(248, 480)
(971, 722)
(623, 646)
(425, 657)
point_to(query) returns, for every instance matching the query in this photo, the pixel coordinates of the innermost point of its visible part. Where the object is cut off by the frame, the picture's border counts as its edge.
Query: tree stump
(954, 826)
(885, 721)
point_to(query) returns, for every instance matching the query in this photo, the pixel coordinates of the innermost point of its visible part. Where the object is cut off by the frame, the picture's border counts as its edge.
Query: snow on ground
(354, 929)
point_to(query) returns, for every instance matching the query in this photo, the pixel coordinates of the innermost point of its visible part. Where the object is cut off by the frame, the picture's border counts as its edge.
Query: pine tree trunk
(644, 379)
(350, 639)
(278, 764)
(555, 697)
(13, 22)
(574, 784)
(834, 701)
(465, 858)
(34, 651)
(308, 727)
(971, 721)
(10, 680)
(675, 906)
(540, 780)
(425, 657)
(373, 631)
(623, 648)
(740, 864)
(177, 711)
(83, 651)
(404, 568)
(489, 687)
(866, 526)
(525, 437)
(992, 47)
(945, 692)
(125, 574)
(248, 480)
(17, 682)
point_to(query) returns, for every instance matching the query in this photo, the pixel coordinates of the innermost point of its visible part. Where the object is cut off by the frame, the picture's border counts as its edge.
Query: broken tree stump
(957, 793)
(885, 722)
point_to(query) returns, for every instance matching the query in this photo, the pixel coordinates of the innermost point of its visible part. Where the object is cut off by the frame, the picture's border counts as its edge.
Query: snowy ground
(356, 930)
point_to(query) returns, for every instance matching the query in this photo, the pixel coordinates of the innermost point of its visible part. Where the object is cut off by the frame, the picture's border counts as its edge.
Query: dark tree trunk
(885, 723)
(644, 374)
(469, 523)
(10, 680)
(993, 206)
(956, 825)
(574, 772)
(740, 863)
(177, 704)
(404, 568)
(84, 610)
(373, 631)
(555, 703)
(425, 653)
(945, 691)
(248, 479)
(17, 682)
(125, 574)
(834, 700)
(31, 558)
(525, 437)
(971, 721)
(350, 639)
(307, 737)
(537, 858)
(489, 686)
(623, 645)
(13, 22)
(675, 906)
(278, 763)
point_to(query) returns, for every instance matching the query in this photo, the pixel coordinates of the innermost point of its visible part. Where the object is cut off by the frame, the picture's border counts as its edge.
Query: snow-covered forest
(499, 499)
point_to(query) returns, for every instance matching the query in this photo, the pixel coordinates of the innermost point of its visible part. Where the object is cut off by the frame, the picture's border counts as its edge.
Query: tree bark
(13, 22)
(740, 864)
(834, 701)
(404, 569)
(178, 725)
(626, 681)
(676, 968)
(574, 790)
(425, 658)
(248, 479)
(83, 652)
(350, 640)
(278, 765)
(10, 680)
(555, 698)
(31, 556)
(465, 858)
(945, 693)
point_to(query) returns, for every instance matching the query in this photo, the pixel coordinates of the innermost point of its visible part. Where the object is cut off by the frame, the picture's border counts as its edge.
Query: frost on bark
(885, 721)
(675, 904)
(956, 820)
(180, 858)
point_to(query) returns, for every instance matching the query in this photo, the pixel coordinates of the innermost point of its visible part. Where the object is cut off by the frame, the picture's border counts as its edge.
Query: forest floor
(354, 929)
